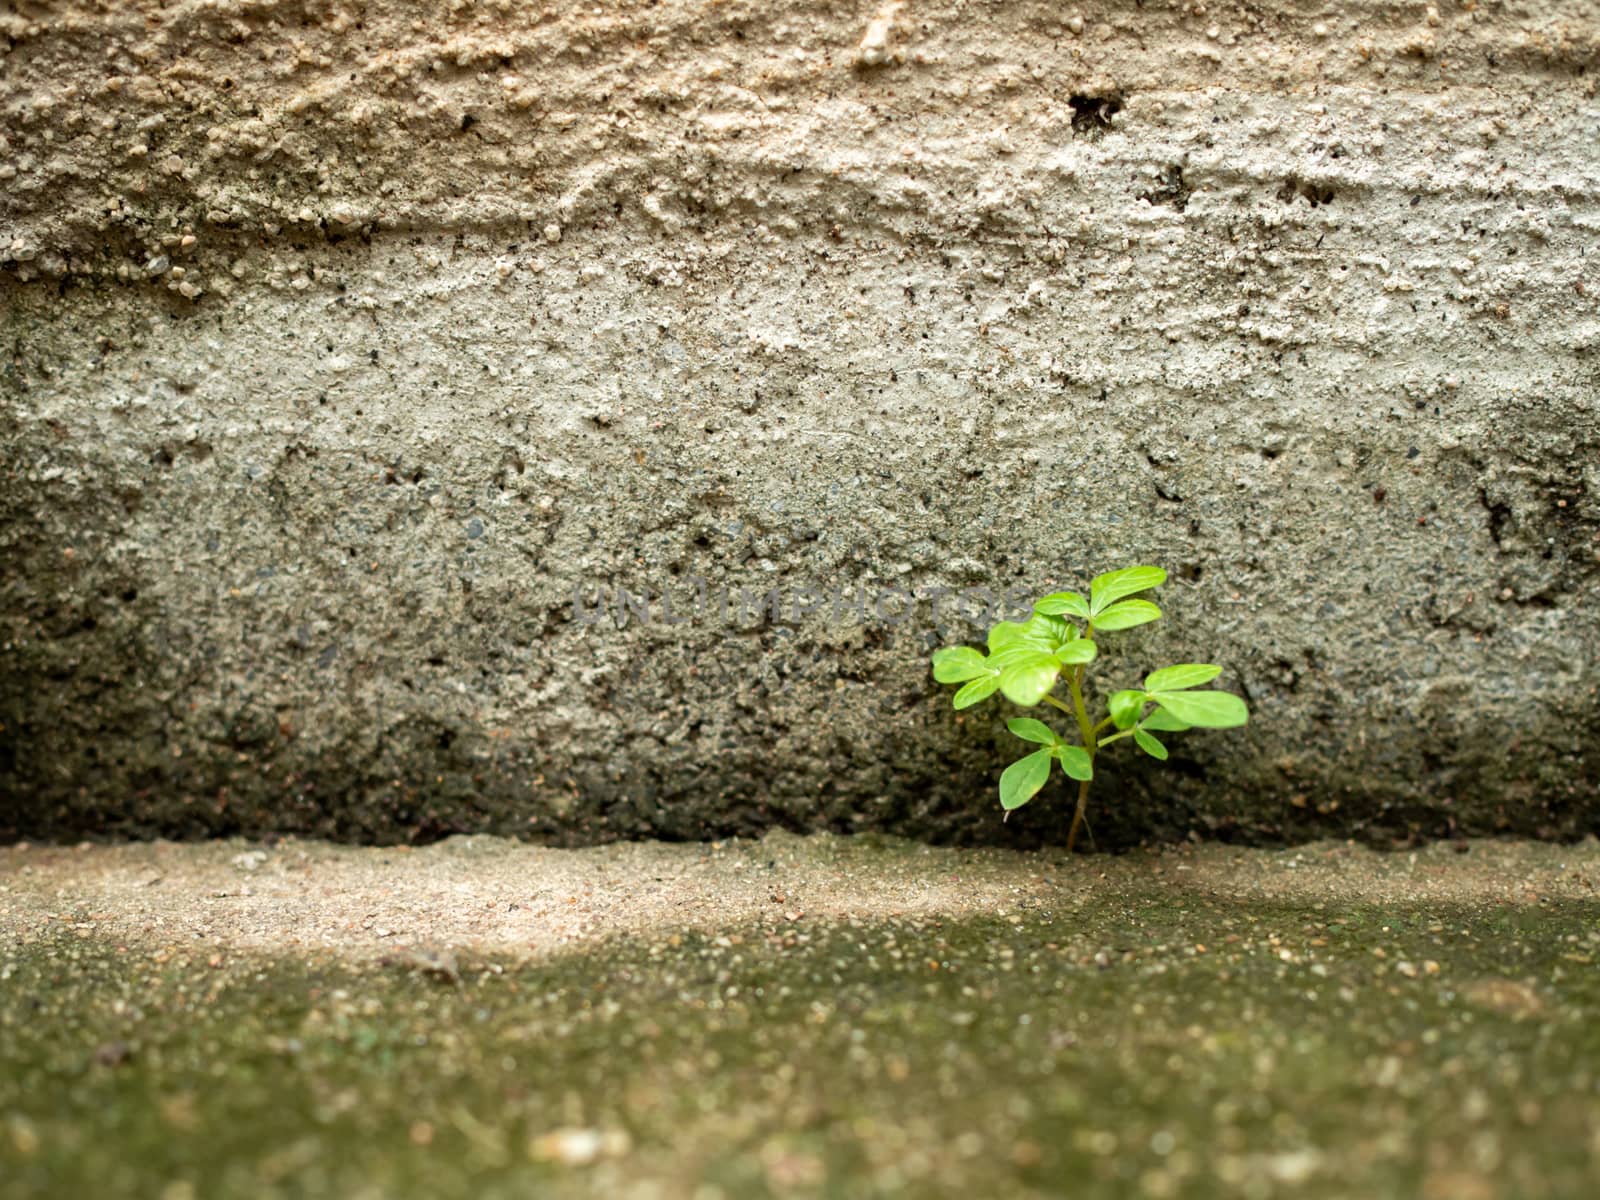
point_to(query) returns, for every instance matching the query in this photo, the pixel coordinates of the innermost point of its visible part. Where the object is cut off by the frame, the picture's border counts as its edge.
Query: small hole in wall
(1173, 191)
(1091, 115)
(1191, 572)
(1314, 194)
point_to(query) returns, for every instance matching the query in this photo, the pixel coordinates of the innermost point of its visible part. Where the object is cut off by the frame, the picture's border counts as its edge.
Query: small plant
(1027, 659)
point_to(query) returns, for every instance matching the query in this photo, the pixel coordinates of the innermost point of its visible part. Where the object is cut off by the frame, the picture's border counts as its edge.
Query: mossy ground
(1142, 1044)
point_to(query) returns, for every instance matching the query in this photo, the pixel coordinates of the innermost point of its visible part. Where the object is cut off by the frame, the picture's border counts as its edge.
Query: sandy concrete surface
(490, 895)
(798, 1018)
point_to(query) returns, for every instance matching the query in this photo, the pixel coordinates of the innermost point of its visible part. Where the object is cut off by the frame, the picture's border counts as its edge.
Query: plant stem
(1077, 817)
(1075, 683)
(1086, 727)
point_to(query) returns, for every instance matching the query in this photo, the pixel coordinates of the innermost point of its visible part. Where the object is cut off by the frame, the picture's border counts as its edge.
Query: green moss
(1328, 1050)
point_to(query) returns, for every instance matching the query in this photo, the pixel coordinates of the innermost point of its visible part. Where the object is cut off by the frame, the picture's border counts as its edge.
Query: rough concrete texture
(480, 303)
(811, 1018)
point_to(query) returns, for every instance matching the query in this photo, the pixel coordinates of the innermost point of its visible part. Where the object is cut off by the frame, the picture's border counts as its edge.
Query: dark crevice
(1314, 194)
(1173, 191)
(1091, 115)
(1499, 517)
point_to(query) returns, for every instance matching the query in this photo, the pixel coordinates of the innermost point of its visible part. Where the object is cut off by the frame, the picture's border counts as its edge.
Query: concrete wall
(479, 303)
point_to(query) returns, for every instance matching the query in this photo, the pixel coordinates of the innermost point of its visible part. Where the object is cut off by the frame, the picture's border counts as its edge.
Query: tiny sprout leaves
(1030, 730)
(1026, 678)
(1075, 761)
(1057, 603)
(1163, 721)
(1150, 745)
(1184, 675)
(1021, 781)
(957, 664)
(978, 690)
(1209, 710)
(1053, 632)
(1012, 642)
(1125, 708)
(1025, 660)
(1126, 614)
(1007, 634)
(1080, 651)
(1107, 589)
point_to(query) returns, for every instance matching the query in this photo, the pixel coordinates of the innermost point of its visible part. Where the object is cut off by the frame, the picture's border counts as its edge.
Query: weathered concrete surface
(798, 1017)
(483, 303)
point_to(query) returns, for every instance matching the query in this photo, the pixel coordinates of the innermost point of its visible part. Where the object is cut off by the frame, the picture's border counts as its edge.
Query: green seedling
(1028, 659)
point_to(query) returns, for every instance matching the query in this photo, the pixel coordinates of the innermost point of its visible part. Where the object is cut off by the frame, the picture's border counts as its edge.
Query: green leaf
(1021, 781)
(1075, 761)
(1149, 745)
(1164, 722)
(957, 664)
(1006, 635)
(1126, 614)
(978, 690)
(1209, 710)
(1030, 730)
(1038, 635)
(1073, 653)
(1057, 603)
(1125, 708)
(1107, 589)
(1052, 631)
(1026, 680)
(1184, 675)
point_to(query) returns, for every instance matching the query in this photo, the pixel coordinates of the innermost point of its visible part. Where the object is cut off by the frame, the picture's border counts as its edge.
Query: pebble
(112, 1054)
(874, 47)
(157, 266)
(578, 1147)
